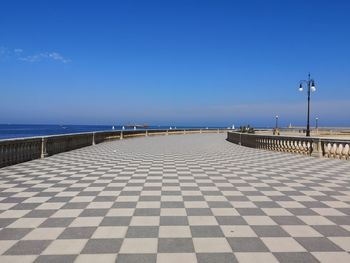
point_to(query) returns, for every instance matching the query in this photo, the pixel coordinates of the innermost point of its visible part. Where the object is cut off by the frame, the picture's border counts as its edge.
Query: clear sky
(173, 62)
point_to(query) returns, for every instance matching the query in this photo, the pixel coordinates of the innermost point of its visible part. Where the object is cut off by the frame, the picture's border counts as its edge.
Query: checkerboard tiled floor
(183, 198)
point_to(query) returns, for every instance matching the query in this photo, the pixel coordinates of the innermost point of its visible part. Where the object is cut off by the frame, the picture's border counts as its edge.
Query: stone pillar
(93, 138)
(317, 149)
(43, 148)
(121, 135)
(146, 134)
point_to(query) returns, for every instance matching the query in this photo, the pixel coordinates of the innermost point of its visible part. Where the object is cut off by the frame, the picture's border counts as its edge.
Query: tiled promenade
(180, 198)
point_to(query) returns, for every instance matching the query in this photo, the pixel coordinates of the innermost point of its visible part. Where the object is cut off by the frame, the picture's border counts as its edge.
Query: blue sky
(173, 62)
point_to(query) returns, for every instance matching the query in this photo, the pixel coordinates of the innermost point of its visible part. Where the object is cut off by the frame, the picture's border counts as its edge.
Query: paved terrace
(180, 198)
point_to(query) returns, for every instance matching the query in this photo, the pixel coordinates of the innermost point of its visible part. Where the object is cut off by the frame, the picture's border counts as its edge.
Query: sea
(10, 131)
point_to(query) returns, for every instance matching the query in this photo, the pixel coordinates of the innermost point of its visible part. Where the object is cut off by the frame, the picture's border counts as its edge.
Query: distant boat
(137, 126)
(233, 126)
(113, 128)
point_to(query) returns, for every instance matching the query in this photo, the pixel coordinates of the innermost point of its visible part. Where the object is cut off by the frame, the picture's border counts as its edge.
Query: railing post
(317, 148)
(93, 138)
(320, 150)
(121, 135)
(167, 132)
(43, 148)
(146, 133)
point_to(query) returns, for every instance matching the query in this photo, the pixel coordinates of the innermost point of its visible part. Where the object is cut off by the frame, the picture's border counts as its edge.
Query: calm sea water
(8, 131)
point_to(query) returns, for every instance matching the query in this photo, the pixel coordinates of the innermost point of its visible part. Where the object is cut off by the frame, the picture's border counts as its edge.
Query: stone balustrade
(321, 147)
(13, 151)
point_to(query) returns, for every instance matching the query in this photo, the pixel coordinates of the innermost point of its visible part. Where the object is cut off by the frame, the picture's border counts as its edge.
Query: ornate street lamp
(310, 88)
(276, 122)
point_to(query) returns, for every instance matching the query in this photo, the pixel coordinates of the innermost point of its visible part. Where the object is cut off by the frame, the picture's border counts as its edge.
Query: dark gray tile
(193, 198)
(13, 200)
(173, 221)
(332, 231)
(219, 204)
(250, 212)
(136, 258)
(267, 204)
(104, 199)
(247, 244)
(40, 213)
(116, 221)
(55, 259)
(130, 193)
(295, 257)
(124, 205)
(238, 198)
(25, 206)
(77, 233)
(77, 205)
(199, 212)
(14, 233)
(28, 247)
(216, 258)
(231, 220)
(59, 199)
(105, 245)
(93, 212)
(314, 204)
(340, 220)
(4, 222)
(57, 222)
(287, 220)
(206, 231)
(314, 244)
(302, 211)
(270, 231)
(147, 212)
(175, 245)
(142, 232)
(149, 198)
(172, 204)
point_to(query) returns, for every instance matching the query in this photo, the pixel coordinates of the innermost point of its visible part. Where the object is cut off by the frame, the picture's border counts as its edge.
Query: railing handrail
(106, 131)
(315, 146)
(312, 139)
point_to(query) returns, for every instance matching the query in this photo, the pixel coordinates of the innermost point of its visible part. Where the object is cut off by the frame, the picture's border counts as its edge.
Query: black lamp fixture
(310, 88)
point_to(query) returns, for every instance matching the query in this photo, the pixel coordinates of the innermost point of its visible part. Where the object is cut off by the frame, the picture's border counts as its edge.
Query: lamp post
(316, 123)
(310, 88)
(276, 122)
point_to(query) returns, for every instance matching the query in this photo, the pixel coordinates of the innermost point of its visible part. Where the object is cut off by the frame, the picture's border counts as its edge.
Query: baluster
(347, 151)
(300, 147)
(334, 150)
(285, 145)
(327, 149)
(339, 151)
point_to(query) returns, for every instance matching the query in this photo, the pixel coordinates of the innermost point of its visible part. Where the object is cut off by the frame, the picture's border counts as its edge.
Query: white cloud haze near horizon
(20, 55)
